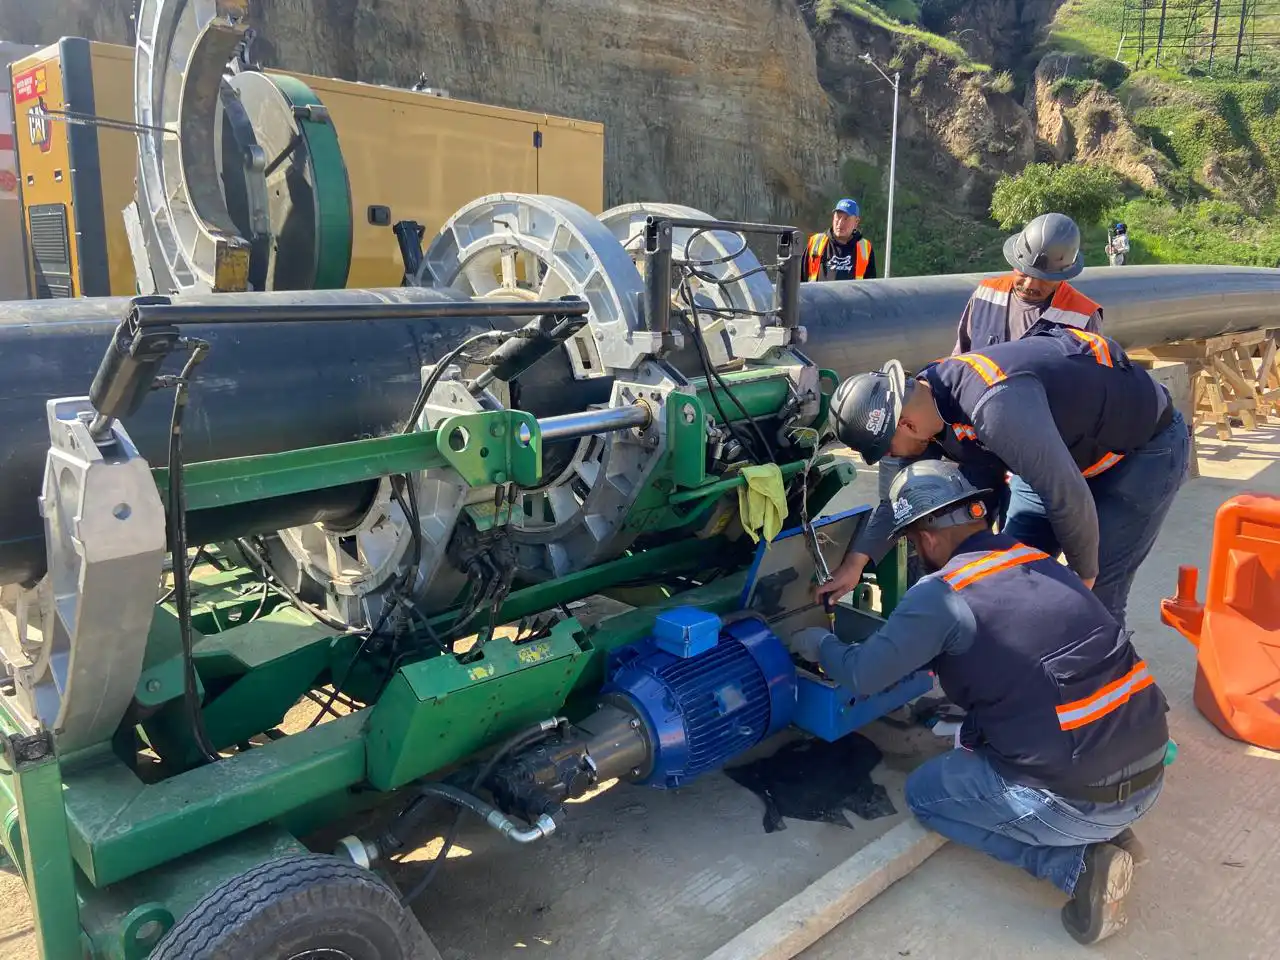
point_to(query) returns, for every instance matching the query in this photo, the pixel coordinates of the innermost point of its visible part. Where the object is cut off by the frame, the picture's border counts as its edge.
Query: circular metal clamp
(733, 289)
(519, 246)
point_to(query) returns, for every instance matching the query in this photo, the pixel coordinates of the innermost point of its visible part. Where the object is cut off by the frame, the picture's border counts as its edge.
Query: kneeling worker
(1064, 740)
(1098, 443)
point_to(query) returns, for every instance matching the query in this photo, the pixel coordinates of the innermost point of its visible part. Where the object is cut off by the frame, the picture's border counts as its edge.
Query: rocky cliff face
(746, 108)
(1076, 118)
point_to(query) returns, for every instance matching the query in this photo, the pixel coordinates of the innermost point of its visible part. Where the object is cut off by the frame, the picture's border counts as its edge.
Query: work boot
(1126, 841)
(1096, 908)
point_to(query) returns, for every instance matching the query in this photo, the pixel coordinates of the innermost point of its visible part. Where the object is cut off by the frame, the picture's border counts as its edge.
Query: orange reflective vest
(818, 247)
(989, 310)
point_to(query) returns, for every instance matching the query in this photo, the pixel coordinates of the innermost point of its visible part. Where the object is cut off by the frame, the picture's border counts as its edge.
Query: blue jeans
(1132, 499)
(961, 796)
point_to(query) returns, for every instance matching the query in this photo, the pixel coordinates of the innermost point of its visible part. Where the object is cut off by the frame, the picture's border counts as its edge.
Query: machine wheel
(307, 907)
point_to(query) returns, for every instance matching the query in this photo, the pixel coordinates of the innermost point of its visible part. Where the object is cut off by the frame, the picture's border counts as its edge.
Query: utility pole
(894, 82)
(1244, 14)
(1164, 9)
(1213, 39)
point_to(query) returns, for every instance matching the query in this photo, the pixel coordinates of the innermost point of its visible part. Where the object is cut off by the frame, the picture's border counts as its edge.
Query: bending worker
(1063, 743)
(1044, 256)
(842, 253)
(1098, 443)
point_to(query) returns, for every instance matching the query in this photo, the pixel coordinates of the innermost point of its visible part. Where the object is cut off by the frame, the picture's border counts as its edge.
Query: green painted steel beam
(223, 483)
(120, 826)
(35, 785)
(490, 450)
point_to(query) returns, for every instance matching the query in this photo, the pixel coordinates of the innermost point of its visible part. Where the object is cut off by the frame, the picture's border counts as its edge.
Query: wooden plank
(834, 897)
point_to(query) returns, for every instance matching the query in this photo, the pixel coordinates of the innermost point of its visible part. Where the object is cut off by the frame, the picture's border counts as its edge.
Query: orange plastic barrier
(1237, 628)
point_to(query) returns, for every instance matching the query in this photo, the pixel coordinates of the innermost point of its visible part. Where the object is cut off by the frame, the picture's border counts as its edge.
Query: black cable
(270, 574)
(178, 551)
(420, 403)
(767, 453)
(393, 601)
(524, 738)
(195, 562)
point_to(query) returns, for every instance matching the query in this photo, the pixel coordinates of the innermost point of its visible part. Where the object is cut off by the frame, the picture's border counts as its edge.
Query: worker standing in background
(1097, 445)
(842, 253)
(1064, 741)
(1118, 245)
(1044, 257)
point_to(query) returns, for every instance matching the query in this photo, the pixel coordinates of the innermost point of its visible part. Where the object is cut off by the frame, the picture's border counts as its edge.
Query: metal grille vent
(51, 250)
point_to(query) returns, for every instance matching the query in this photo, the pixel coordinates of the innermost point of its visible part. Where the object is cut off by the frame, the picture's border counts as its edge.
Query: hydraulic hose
(495, 818)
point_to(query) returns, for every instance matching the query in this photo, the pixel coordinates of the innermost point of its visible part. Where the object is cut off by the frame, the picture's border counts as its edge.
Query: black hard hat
(865, 410)
(927, 489)
(1048, 248)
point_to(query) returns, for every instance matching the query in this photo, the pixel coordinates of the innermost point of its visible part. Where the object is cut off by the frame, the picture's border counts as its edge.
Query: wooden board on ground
(833, 898)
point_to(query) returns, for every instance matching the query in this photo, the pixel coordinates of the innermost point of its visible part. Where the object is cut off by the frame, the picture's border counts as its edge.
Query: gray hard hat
(934, 491)
(865, 410)
(1048, 248)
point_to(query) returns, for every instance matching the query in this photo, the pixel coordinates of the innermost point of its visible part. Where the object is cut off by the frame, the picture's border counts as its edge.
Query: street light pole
(894, 82)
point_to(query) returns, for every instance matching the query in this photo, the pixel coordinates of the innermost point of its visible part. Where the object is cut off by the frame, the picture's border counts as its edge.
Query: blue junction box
(686, 631)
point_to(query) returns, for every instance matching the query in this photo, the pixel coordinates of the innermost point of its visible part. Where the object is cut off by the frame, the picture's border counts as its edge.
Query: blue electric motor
(704, 692)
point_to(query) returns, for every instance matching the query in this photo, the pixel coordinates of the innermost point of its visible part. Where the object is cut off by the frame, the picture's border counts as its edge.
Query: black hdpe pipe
(857, 325)
(264, 387)
(267, 387)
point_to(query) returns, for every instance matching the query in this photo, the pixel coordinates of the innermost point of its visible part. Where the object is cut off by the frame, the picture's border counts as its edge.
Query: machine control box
(686, 631)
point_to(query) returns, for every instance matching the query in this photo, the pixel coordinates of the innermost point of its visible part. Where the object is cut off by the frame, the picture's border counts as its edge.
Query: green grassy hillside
(1219, 199)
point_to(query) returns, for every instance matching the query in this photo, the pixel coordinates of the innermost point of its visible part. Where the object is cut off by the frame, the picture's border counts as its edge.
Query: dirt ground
(656, 875)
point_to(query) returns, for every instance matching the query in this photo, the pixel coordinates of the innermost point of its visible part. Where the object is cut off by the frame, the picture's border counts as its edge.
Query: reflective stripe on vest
(989, 310)
(813, 259)
(1098, 345)
(1114, 695)
(990, 563)
(862, 255)
(986, 368)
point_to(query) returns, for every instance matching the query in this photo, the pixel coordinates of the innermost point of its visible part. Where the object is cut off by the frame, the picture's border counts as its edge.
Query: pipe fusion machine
(272, 555)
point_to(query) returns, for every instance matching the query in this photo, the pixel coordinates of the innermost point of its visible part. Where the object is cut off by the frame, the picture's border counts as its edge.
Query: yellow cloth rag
(762, 501)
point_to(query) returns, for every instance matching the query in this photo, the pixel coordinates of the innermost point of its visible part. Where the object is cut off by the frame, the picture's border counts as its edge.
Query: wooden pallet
(1234, 378)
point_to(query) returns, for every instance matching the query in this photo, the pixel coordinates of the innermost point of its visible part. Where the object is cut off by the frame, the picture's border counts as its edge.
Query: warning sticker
(30, 85)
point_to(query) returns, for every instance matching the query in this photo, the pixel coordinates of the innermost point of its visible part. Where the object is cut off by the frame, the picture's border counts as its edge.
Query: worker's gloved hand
(807, 643)
(843, 579)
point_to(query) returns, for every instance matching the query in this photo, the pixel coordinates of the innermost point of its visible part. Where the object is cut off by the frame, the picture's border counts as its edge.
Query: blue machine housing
(704, 708)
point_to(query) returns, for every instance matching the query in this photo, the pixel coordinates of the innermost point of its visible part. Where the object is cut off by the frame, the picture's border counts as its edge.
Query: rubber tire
(285, 907)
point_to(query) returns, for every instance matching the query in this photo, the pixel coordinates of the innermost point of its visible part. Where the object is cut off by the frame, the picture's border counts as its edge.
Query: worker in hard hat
(842, 253)
(1096, 442)
(1045, 257)
(1064, 741)
(1118, 245)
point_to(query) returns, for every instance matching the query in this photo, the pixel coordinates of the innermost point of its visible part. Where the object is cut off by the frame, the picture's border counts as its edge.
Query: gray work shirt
(1009, 421)
(930, 620)
(1022, 317)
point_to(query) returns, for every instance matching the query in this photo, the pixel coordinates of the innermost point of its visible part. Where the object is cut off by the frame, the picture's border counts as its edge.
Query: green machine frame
(112, 859)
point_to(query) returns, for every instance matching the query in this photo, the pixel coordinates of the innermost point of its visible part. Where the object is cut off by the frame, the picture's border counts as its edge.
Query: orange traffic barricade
(1237, 628)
